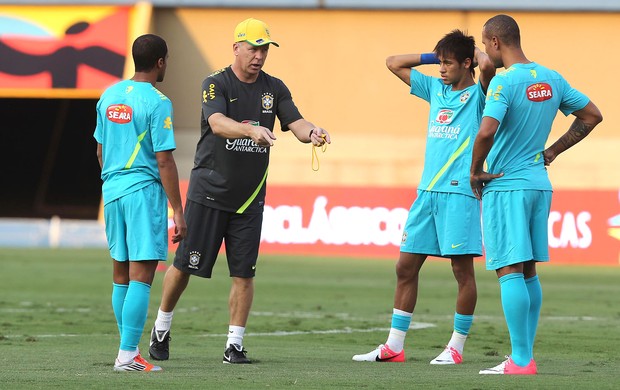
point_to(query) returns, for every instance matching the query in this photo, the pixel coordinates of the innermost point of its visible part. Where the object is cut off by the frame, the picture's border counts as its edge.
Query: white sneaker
(383, 353)
(137, 364)
(448, 356)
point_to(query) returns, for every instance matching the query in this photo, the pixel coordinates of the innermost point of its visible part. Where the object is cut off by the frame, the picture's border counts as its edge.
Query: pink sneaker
(448, 356)
(383, 353)
(508, 367)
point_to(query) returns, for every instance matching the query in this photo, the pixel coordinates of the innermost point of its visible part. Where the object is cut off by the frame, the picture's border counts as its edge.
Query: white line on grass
(347, 330)
(302, 314)
(277, 333)
(414, 325)
(298, 314)
(347, 316)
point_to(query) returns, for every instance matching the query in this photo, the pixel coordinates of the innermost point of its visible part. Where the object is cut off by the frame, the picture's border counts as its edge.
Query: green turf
(57, 328)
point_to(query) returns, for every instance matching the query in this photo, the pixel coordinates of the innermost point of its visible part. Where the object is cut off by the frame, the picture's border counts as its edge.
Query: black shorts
(206, 229)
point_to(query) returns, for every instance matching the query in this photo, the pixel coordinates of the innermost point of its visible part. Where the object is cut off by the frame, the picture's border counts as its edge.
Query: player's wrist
(428, 58)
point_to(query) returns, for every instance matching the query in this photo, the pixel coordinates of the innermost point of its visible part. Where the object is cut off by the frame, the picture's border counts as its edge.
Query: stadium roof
(495, 5)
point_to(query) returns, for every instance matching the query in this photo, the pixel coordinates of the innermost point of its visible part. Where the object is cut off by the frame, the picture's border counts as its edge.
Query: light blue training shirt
(525, 99)
(454, 119)
(134, 121)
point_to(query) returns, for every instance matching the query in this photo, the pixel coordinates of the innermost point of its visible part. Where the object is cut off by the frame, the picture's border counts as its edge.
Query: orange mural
(47, 49)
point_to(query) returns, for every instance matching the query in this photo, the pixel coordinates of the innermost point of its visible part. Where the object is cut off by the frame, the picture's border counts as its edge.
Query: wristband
(428, 58)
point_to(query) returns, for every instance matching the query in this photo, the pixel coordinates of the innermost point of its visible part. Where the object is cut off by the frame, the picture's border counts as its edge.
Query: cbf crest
(464, 96)
(194, 259)
(267, 102)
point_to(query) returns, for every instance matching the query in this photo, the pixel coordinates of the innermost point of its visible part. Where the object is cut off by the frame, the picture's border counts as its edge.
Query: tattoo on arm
(577, 131)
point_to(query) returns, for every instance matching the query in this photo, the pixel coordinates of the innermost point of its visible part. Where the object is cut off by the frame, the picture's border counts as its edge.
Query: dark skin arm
(170, 181)
(482, 145)
(99, 155)
(586, 119)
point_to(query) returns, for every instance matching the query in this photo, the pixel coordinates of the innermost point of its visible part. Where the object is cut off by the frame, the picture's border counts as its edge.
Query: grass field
(310, 315)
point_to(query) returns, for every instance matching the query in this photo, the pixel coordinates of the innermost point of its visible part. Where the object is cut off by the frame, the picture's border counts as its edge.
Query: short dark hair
(457, 44)
(147, 50)
(505, 28)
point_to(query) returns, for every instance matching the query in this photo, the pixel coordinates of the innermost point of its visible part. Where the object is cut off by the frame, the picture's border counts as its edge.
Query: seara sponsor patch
(120, 113)
(444, 116)
(539, 92)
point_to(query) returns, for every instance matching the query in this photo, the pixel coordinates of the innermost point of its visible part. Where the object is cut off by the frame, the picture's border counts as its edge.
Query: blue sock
(400, 324)
(118, 299)
(462, 323)
(516, 305)
(535, 291)
(135, 310)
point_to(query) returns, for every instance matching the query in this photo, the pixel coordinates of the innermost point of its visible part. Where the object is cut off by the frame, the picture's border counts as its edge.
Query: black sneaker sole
(159, 358)
(227, 362)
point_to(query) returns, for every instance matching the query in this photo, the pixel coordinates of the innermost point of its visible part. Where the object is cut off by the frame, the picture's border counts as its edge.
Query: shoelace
(503, 364)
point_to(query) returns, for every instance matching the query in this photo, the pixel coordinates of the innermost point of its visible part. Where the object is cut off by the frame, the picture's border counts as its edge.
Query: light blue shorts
(443, 224)
(136, 225)
(515, 226)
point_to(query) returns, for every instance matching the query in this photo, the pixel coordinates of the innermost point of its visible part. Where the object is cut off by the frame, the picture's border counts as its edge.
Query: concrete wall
(334, 63)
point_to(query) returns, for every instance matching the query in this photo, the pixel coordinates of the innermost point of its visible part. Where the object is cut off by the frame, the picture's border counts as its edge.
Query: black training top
(231, 174)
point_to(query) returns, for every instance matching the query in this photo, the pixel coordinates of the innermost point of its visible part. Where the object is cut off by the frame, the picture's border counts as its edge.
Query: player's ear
(495, 41)
(468, 63)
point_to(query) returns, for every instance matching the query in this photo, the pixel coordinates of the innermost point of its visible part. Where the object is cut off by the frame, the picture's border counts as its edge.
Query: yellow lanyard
(315, 156)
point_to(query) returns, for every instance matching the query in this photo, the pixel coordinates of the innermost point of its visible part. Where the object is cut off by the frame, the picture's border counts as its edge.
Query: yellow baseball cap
(254, 32)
